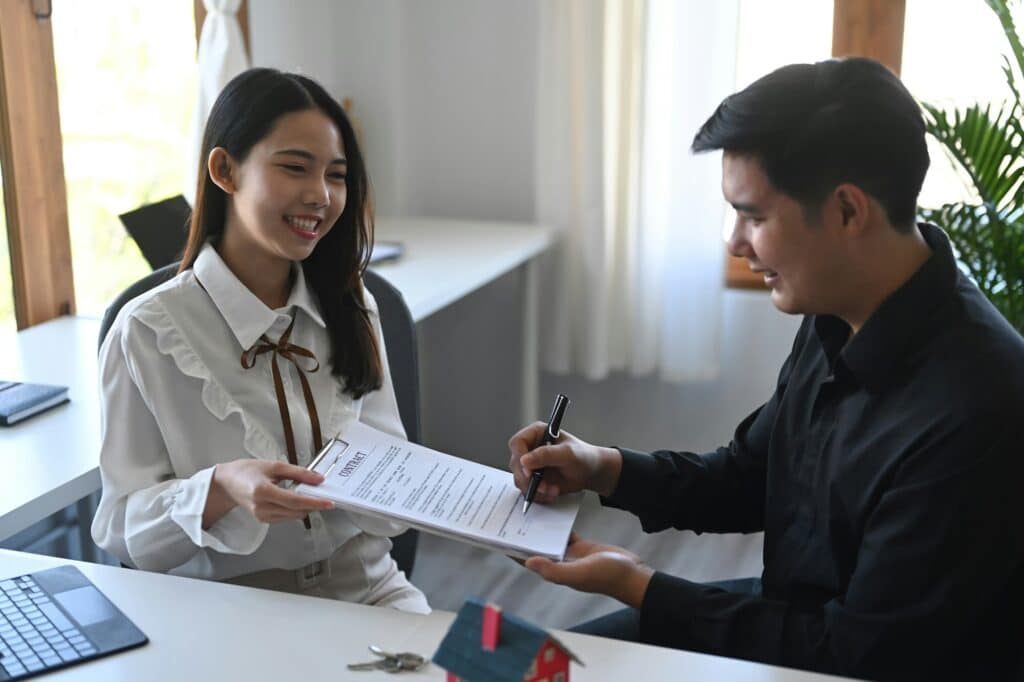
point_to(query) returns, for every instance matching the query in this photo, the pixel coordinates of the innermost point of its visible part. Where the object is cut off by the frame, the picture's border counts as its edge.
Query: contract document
(371, 472)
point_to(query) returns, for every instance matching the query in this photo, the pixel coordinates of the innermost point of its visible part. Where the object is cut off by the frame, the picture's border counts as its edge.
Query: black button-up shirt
(886, 473)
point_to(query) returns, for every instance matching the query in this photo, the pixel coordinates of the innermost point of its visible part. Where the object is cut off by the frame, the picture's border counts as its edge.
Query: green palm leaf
(987, 143)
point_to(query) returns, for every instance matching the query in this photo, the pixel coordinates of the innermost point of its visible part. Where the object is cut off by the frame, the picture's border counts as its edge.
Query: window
(950, 78)
(126, 78)
(549, 654)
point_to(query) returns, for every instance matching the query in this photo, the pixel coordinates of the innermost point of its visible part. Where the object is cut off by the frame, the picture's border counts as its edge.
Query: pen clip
(554, 427)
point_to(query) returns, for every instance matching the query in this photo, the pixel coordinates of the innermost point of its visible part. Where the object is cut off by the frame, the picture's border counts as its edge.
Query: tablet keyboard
(35, 635)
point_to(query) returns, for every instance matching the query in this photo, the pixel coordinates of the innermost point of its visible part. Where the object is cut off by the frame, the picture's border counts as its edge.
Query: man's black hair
(814, 126)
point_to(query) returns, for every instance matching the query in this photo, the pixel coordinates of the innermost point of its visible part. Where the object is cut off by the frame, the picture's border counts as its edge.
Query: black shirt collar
(903, 320)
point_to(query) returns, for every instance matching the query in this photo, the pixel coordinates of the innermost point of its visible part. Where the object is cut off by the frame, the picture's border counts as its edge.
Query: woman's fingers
(276, 514)
(290, 472)
(271, 494)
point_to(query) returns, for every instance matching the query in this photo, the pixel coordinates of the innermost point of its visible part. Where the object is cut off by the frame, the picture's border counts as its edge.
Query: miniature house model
(483, 644)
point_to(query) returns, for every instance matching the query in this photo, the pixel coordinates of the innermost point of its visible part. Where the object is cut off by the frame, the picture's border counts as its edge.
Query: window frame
(31, 154)
(37, 221)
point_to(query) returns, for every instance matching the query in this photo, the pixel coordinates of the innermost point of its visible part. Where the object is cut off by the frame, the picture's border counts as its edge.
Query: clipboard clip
(323, 453)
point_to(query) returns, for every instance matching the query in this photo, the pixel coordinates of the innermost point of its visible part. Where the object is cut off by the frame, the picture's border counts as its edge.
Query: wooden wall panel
(869, 28)
(33, 167)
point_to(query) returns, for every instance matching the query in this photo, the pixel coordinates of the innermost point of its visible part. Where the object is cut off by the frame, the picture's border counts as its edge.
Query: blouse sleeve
(148, 516)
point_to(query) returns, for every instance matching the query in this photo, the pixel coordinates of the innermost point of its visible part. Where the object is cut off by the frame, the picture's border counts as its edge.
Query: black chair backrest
(153, 279)
(400, 338)
(160, 229)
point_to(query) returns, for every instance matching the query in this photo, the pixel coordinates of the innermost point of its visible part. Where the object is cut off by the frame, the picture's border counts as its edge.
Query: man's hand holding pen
(570, 465)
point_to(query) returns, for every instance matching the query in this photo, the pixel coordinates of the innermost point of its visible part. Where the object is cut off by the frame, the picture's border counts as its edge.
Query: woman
(223, 382)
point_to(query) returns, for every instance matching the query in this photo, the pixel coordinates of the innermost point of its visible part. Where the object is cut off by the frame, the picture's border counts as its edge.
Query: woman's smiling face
(290, 189)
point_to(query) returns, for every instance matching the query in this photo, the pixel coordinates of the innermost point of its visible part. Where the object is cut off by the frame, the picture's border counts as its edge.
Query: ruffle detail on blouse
(158, 314)
(219, 403)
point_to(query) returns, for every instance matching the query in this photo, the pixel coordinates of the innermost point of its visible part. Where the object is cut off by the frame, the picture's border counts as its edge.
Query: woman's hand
(569, 465)
(604, 569)
(253, 485)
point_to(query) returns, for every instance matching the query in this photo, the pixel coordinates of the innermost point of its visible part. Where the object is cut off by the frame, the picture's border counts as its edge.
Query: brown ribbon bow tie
(293, 354)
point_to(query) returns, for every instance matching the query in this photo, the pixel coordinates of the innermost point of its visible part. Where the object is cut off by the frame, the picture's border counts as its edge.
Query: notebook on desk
(20, 401)
(56, 618)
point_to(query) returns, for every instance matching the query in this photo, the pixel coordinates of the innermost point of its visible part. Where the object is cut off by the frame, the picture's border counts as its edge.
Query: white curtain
(221, 57)
(635, 281)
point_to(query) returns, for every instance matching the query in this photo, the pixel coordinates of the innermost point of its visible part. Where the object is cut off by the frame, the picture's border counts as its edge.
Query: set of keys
(391, 663)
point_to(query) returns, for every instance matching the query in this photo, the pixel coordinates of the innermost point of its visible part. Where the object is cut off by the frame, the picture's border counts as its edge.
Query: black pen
(549, 437)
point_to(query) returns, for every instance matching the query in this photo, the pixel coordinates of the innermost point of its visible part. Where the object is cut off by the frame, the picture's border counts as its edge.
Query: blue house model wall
(461, 652)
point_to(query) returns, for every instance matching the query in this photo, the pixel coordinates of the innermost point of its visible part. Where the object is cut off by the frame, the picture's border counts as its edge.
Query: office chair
(160, 229)
(400, 338)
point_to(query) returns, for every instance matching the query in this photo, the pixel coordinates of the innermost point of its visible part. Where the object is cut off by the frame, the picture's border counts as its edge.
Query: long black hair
(245, 112)
(814, 126)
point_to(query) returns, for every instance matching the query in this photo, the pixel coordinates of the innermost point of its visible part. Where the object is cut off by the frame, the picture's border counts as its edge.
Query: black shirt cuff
(667, 609)
(638, 470)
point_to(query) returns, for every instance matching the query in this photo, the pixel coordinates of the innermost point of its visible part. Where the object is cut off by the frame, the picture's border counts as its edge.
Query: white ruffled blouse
(176, 402)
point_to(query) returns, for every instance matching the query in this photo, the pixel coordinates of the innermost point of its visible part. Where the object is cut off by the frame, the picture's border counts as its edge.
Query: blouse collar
(246, 315)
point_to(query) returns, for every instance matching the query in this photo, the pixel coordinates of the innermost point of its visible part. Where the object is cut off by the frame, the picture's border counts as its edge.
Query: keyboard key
(14, 668)
(77, 639)
(57, 617)
(69, 655)
(29, 658)
(53, 659)
(7, 585)
(87, 650)
(35, 667)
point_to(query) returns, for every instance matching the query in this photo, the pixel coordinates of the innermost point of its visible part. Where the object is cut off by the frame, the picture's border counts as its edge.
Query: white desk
(446, 260)
(201, 630)
(52, 460)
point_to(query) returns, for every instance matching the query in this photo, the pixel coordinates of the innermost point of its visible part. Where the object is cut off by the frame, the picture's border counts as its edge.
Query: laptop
(57, 618)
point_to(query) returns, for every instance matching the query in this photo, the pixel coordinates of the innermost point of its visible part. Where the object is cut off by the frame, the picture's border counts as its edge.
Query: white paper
(373, 473)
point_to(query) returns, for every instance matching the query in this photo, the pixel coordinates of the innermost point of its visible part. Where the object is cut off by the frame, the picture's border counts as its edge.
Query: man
(885, 470)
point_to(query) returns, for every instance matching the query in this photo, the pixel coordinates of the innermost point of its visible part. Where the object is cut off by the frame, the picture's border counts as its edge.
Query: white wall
(445, 93)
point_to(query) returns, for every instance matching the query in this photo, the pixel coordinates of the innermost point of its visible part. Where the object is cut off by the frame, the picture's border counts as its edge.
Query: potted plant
(986, 142)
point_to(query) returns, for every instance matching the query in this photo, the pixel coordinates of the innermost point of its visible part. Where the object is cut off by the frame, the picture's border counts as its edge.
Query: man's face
(772, 233)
